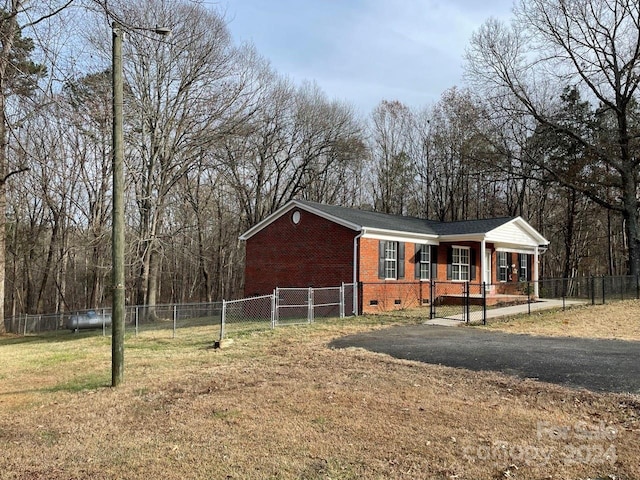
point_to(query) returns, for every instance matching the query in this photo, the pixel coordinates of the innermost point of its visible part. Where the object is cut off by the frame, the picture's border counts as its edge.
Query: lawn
(619, 320)
(280, 404)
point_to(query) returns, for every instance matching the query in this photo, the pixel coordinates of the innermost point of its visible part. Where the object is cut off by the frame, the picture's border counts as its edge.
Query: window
(523, 274)
(503, 267)
(391, 260)
(425, 262)
(460, 263)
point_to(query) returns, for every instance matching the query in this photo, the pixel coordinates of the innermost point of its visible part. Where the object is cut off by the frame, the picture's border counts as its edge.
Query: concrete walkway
(543, 304)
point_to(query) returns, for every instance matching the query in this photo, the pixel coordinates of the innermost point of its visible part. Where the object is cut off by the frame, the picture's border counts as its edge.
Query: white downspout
(355, 272)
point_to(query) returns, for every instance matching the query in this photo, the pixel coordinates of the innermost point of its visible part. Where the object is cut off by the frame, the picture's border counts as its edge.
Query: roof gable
(516, 232)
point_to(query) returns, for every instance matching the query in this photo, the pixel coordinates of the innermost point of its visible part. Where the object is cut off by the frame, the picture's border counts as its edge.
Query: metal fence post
(310, 305)
(276, 309)
(356, 296)
(175, 319)
(432, 285)
(223, 314)
(273, 310)
(342, 300)
(467, 307)
(593, 290)
(136, 314)
(484, 303)
(604, 301)
(529, 297)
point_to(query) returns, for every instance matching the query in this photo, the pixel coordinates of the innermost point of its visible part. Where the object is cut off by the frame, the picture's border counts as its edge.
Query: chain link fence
(596, 290)
(464, 301)
(166, 320)
(287, 306)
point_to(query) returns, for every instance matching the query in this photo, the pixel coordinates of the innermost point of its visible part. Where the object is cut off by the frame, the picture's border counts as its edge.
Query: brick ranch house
(392, 258)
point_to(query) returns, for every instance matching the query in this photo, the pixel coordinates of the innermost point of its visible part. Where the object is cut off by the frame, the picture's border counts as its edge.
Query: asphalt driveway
(597, 365)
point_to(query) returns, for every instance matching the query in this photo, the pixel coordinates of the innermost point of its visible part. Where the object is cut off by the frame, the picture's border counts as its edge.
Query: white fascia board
(287, 208)
(268, 220)
(516, 249)
(477, 237)
(396, 236)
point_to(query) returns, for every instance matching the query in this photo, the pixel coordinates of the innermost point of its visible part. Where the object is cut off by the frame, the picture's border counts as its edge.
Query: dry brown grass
(282, 405)
(619, 320)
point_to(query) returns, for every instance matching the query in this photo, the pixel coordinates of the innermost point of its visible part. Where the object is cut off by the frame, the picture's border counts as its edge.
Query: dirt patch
(282, 405)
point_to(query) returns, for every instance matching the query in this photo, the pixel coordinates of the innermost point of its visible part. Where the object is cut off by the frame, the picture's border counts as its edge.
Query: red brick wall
(319, 253)
(380, 295)
(315, 252)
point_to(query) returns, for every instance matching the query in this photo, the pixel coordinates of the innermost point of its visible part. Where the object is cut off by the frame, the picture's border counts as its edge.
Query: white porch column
(483, 255)
(536, 257)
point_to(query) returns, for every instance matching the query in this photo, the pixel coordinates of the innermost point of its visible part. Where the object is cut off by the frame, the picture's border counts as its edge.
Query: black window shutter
(400, 259)
(529, 264)
(416, 259)
(472, 267)
(449, 261)
(434, 261)
(381, 254)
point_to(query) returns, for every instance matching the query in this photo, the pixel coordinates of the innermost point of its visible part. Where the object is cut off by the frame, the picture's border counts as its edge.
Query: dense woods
(546, 127)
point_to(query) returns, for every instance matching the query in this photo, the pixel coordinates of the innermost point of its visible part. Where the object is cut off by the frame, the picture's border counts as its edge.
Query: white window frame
(425, 262)
(460, 270)
(503, 268)
(522, 271)
(390, 260)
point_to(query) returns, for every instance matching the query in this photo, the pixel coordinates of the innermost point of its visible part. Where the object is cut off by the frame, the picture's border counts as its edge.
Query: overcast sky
(364, 51)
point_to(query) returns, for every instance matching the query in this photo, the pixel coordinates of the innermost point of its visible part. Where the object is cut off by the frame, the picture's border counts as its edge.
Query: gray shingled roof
(401, 223)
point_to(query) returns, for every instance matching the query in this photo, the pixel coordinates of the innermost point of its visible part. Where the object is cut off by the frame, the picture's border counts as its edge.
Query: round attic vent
(295, 218)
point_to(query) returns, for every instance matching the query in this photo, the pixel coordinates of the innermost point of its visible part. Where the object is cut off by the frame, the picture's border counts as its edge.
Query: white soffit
(395, 236)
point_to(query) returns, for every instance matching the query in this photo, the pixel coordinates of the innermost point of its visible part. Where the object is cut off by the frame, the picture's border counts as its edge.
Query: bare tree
(181, 92)
(18, 75)
(296, 140)
(593, 45)
(392, 136)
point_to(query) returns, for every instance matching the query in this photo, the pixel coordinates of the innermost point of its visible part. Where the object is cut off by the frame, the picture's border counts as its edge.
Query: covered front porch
(457, 293)
(510, 260)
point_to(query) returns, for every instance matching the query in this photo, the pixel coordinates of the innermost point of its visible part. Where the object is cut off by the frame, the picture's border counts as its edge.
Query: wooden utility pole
(117, 252)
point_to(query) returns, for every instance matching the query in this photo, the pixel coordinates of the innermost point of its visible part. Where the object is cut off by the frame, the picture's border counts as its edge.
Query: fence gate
(450, 300)
(293, 306)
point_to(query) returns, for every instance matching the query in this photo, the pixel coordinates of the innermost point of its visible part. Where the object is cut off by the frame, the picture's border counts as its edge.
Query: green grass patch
(92, 381)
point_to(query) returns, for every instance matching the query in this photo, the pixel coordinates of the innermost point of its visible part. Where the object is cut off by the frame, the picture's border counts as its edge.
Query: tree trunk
(569, 234)
(3, 217)
(152, 289)
(7, 46)
(630, 214)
